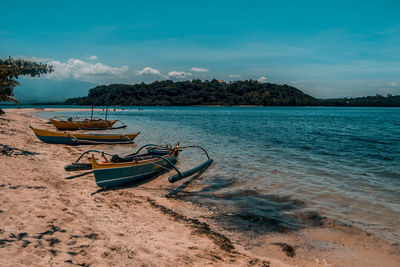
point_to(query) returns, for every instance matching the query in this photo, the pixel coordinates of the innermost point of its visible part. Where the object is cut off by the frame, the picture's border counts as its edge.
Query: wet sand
(49, 220)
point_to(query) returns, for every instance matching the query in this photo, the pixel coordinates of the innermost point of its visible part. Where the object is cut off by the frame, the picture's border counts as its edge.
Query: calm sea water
(280, 168)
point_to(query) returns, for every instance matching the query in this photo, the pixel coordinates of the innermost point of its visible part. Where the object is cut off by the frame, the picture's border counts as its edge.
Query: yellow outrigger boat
(71, 123)
(63, 123)
(83, 139)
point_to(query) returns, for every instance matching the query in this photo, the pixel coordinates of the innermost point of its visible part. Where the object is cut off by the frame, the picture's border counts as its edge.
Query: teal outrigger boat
(135, 167)
(82, 138)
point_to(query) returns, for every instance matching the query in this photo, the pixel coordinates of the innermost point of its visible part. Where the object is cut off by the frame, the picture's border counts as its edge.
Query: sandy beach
(47, 220)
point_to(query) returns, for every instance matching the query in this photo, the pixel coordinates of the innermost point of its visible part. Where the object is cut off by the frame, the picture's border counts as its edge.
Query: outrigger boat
(82, 138)
(63, 123)
(135, 167)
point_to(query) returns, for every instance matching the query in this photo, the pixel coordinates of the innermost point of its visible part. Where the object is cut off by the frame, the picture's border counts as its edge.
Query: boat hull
(82, 139)
(114, 174)
(77, 125)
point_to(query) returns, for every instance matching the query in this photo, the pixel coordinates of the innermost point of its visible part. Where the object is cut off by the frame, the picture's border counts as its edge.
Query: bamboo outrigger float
(134, 167)
(82, 138)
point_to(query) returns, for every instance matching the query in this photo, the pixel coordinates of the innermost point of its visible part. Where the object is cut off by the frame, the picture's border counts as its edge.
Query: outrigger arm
(181, 175)
(76, 166)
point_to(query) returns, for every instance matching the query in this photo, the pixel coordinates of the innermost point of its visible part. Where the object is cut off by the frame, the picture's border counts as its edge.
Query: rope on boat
(123, 124)
(74, 139)
(127, 137)
(161, 166)
(81, 125)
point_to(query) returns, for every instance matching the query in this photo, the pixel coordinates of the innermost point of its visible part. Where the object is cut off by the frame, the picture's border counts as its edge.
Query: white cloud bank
(179, 74)
(85, 71)
(195, 69)
(234, 76)
(262, 79)
(93, 57)
(147, 71)
(36, 59)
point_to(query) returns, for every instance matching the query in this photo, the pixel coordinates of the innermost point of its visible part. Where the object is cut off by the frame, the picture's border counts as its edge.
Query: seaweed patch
(12, 151)
(26, 186)
(53, 229)
(288, 249)
(200, 227)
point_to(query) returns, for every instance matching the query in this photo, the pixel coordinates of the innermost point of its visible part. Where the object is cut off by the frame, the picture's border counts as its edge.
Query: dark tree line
(195, 92)
(367, 101)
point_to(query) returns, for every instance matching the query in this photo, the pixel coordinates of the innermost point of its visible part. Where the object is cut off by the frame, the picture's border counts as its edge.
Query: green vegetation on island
(195, 92)
(367, 101)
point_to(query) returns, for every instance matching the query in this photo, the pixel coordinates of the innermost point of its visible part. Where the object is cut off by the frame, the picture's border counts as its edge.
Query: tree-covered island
(197, 92)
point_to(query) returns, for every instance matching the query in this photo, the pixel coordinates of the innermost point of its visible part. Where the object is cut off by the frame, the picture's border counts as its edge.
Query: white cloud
(199, 69)
(179, 74)
(85, 71)
(394, 84)
(93, 57)
(35, 59)
(262, 79)
(149, 71)
(234, 76)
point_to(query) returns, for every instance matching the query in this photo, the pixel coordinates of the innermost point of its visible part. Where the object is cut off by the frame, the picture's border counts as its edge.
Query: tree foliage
(195, 92)
(366, 101)
(11, 69)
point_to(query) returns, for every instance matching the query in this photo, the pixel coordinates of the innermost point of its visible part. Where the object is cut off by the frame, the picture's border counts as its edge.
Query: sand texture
(47, 220)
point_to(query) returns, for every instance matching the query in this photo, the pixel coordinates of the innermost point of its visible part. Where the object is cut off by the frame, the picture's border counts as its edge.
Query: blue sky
(325, 48)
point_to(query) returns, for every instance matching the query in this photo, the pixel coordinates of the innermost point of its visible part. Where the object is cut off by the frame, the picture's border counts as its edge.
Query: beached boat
(76, 123)
(82, 138)
(136, 167)
(63, 123)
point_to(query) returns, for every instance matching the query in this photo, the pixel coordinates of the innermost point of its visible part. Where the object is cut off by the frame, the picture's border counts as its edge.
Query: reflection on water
(273, 164)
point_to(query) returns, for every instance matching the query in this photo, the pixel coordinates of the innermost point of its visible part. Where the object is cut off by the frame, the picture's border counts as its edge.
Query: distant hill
(367, 101)
(196, 92)
(33, 91)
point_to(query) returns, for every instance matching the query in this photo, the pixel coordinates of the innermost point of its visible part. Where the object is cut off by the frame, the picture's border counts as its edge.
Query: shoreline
(47, 219)
(74, 107)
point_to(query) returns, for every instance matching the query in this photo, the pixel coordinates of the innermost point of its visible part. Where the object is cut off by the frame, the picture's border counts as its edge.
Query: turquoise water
(279, 168)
